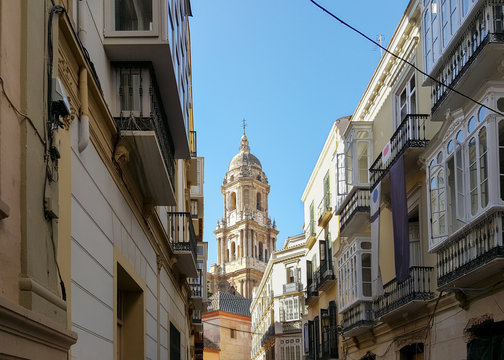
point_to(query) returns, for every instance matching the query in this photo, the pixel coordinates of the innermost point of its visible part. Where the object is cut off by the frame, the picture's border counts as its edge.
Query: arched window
(260, 251)
(227, 254)
(266, 255)
(259, 207)
(233, 249)
(233, 201)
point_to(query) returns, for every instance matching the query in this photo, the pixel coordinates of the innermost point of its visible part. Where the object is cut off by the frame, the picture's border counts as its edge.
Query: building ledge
(23, 323)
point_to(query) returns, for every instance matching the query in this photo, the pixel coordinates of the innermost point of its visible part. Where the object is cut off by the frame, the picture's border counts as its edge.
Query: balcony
(196, 317)
(474, 254)
(146, 140)
(324, 210)
(310, 234)
(140, 34)
(292, 326)
(477, 47)
(292, 287)
(409, 139)
(312, 286)
(183, 242)
(268, 335)
(198, 343)
(196, 288)
(354, 212)
(400, 299)
(326, 276)
(358, 319)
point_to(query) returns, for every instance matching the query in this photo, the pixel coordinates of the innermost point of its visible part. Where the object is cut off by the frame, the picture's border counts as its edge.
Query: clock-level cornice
(252, 224)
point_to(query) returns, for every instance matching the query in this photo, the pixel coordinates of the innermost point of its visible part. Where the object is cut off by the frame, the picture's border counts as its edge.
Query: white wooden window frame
(109, 21)
(461, 205)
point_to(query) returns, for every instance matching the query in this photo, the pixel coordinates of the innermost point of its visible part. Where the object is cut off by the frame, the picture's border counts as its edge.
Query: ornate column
(241, 244)
(223, 250)
(219, 251)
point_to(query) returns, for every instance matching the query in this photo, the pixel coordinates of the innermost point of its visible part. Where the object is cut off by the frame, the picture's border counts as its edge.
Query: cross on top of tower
(244, 124)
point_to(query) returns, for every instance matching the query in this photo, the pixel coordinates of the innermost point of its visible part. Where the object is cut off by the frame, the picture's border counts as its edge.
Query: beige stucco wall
(211, 355)
(230, 349)
(10, 148)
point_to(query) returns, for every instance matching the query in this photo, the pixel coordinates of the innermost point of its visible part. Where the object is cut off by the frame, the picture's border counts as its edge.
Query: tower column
(219, 251)
(223, 250)
(247, 250)
(241, 244)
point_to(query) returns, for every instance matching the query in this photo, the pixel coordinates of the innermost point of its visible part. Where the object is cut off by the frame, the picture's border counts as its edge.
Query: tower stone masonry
(245, 236)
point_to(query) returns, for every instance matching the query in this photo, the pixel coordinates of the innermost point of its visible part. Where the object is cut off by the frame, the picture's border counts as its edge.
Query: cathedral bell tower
(245, 236)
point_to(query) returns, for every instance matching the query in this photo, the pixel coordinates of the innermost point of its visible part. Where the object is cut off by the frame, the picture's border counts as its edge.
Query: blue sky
(290, 70)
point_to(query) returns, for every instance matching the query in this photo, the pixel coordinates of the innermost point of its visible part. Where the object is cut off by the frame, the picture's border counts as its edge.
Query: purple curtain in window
(400, 219)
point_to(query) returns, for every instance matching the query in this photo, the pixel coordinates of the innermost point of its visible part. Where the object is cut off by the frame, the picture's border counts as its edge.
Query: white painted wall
(101, 219)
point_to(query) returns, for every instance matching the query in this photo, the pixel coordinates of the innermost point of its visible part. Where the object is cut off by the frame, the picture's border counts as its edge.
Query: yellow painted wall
(210, 355)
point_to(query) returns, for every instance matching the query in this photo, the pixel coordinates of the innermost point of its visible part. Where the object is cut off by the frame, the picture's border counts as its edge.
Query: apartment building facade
(118, 160)
(278, 304)
(321, 227)
(417, 259)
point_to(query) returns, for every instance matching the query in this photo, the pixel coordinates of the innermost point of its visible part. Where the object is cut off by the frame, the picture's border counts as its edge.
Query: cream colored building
(320, 199)
(420, 272)
(278, 304)
(34, 307)
(106, 241)
(246, 236)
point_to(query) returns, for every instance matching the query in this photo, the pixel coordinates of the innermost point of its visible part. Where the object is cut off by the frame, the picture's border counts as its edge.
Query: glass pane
(472, 124)
(349, 165)
(450, 146)
(366, 260)
(363, 157)
(130, 83)
(460, 136)
(133, 15)
(366, 289)
(482, 138)
(481, 114)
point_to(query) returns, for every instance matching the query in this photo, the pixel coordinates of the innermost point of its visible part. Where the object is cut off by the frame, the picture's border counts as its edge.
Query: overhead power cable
(402, 59)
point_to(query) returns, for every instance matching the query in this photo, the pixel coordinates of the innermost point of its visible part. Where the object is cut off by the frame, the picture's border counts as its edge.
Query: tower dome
(244, 157)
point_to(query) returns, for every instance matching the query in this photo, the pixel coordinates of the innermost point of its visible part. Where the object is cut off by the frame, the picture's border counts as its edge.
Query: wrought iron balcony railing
(196, 317)
(312, 285)
(359, 202)
(195, 286)
(151, 119)
(193, 144)
(181, 232)
(487, 28)
(324, 208)
(292, 287)
(325, 274)
(472, 250)
(292, 326)
(310, 231)
(410, 134)
(416, 287)
(361, 315)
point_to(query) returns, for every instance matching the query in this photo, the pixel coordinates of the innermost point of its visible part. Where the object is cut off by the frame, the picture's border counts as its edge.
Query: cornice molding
(26, 324)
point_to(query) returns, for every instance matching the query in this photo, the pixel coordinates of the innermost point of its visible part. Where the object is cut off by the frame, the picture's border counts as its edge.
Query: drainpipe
(84, 113)
(81, 18)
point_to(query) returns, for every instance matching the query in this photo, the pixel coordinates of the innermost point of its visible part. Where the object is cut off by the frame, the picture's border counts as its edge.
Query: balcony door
(406, 100)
